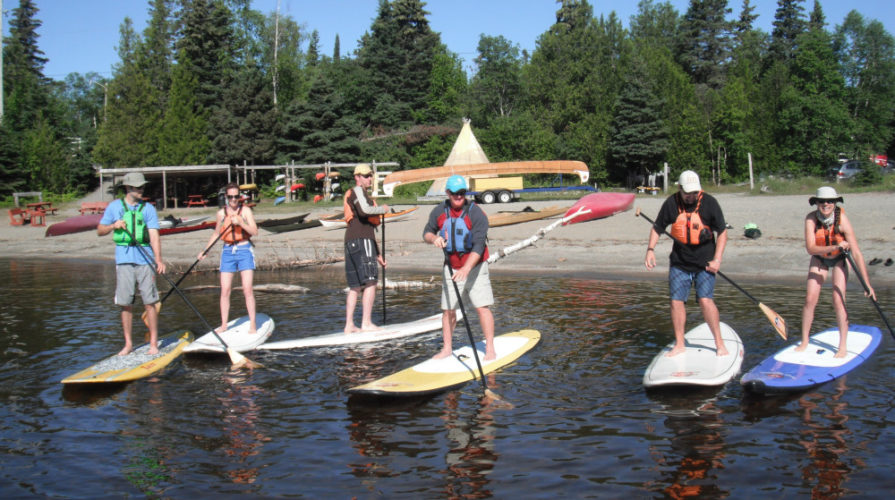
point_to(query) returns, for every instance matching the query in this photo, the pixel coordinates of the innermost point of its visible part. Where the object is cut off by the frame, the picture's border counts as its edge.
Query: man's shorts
(361, 268)
(680, 282)
(235, 258)
(130, 277)
(475, 290)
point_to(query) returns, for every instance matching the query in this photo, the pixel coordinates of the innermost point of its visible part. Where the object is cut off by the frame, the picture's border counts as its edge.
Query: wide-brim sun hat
(689, 181)
(825, 193)
(134, 179)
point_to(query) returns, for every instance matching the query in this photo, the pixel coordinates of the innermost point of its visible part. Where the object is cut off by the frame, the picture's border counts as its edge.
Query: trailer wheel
(488, 197)
(504, 196)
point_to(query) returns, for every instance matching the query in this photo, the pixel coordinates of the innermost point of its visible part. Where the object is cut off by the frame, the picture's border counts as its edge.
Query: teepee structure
(466, 151)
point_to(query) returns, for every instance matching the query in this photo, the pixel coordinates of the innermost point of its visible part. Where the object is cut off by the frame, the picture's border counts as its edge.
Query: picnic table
(92, 207)
(46, 206)
(196, 200)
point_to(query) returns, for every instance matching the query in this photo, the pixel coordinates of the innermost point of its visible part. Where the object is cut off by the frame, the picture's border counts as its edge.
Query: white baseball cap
(689, 181)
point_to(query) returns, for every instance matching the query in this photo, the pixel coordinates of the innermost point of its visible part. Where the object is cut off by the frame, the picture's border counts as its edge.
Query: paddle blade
(778, 323)
(598, 206)
(239, 361)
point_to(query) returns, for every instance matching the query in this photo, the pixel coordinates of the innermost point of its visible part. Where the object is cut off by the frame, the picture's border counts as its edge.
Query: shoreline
(612, 248)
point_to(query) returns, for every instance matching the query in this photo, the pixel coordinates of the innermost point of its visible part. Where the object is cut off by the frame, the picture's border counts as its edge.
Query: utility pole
(105, 97)
(276, 44)
(1, 61)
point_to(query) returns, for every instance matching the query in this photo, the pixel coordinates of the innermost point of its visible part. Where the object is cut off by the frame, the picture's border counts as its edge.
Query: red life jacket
(230, 233)
(829, 236)
(688, 228)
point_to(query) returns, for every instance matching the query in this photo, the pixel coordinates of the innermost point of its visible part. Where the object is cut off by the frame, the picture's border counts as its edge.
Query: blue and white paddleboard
(788, 370)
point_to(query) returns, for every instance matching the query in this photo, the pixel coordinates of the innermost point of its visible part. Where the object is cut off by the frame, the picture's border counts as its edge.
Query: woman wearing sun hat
(828, 235)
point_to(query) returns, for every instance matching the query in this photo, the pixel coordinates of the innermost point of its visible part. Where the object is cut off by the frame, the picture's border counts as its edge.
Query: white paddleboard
(436, 375)
(388, 332)
(698, 364)
(237, 336)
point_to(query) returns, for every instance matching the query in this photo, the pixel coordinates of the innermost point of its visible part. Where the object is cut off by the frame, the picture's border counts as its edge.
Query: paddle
(236, 359)
(158, 305)
(882, 315)
(475, 352)
(776, 321)
(383, 269)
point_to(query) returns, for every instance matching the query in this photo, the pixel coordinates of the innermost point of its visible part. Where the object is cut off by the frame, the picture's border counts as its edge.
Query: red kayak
(597, 206)
(186, 229)
(76, 224)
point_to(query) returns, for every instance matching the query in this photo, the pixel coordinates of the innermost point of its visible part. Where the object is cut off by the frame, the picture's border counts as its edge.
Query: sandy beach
(612, 248)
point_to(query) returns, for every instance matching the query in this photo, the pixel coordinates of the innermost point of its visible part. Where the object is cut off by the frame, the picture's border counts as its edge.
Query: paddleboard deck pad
(237, 336)
(698, 364)
(438, 375)
(388, 332)
(136, 365)
(789, 370)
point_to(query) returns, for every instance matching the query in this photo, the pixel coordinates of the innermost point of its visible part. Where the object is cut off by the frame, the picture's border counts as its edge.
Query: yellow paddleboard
(436, 375)
(136, 365)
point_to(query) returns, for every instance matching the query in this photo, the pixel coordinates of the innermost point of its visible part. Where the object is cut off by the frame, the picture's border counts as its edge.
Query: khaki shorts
(475, 290)
(131, 277)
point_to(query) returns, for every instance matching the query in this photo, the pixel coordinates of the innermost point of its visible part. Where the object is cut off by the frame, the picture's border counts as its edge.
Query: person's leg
(226, 288)
(816, 276)
(705, 294)
(127, 318)
(247, 277)
(448, 323)
(369, 297)
(679, 284)
(840, 280)
(350, 305)
(486, 319)
(152, 323)
(713, 319)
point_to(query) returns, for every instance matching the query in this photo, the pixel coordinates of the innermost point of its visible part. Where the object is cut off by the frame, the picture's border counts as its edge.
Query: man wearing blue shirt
(134, 223)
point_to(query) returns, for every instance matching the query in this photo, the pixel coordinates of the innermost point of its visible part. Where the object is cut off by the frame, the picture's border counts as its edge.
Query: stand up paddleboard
(437, 375)
(136, 365)
(698, 364)
(237, 336)
(388, 332)
(788, 370)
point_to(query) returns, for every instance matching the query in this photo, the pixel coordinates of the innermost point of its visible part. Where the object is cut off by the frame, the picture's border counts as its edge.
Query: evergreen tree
(182, 138)
(496, 89)
(656, 24)
(638, 139)
(206, 47)
(245, 123)
(447, 87)
(313, 47)
(24, 83)
(155, 52)
(703, 42)
(789, 23)
(318, 131)
(336, 48)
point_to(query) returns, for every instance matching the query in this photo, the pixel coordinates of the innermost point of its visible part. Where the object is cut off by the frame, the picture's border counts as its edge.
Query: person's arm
(155, 241)
(247, 222)
(430, 232)
(811, 245)
(851, 245)
(650, 259)
(714, 265)
(364, 207)
(109, 222)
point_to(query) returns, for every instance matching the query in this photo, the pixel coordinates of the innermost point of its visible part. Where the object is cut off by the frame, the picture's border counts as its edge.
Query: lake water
(580, 425)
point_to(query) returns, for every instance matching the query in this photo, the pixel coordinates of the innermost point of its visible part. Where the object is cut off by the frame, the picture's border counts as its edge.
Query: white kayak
(699, 364)
(388, 332)
(237, 336)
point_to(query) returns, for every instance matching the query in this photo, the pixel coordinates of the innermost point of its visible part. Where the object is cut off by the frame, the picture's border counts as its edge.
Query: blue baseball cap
(455, 184)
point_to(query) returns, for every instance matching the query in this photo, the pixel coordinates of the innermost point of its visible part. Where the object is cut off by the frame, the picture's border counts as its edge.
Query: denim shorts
(680, 282)
(235, 258)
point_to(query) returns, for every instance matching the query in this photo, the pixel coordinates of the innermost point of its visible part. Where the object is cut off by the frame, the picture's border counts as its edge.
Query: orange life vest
(688, 227)
(230, 233)
(349, 211)
(829, 236)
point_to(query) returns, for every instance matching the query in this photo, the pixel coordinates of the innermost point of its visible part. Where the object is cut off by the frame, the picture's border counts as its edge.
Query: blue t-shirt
(125, 254)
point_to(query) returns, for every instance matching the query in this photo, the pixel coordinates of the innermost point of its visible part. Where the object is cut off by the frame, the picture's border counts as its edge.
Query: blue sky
(81, 35)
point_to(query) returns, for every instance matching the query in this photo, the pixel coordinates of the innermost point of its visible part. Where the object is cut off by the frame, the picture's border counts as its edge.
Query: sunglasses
(823, 202)
(233, 196)
(458, 193)
(367, 176)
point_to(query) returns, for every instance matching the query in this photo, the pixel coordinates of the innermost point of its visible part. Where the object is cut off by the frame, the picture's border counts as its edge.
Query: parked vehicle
(848, 170)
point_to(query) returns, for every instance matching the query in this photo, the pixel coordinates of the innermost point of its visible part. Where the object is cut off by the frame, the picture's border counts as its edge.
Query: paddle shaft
(174, 287)
(383, 269)
(475, 351)
(188, 271)
(882, 315)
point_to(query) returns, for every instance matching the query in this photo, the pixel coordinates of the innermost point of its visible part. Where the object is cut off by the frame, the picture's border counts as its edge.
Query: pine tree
(789, 23)
(245, 123)
(182, 138)
(318, 131)
(703, 42)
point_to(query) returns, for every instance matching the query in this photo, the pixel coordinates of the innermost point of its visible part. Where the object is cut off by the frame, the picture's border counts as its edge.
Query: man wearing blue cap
(459, 228)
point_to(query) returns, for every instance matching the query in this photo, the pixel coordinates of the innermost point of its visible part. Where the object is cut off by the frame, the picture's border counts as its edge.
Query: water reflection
(240, 415)
(144, 442)
(823, 435)
(694, 457)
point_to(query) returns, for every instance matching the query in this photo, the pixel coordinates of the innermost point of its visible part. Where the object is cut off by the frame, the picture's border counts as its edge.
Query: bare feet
(127, 350)
(490, 355)
(721, 351)
(445, 352)
(801, 347)
(370, 328)
(352, 329)
(221, 329)
(675, 351)
(841, 353)
(153, 350)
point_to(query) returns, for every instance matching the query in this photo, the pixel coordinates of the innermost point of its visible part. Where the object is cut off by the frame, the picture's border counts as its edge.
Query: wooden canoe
(484, 169)
(508, 218)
